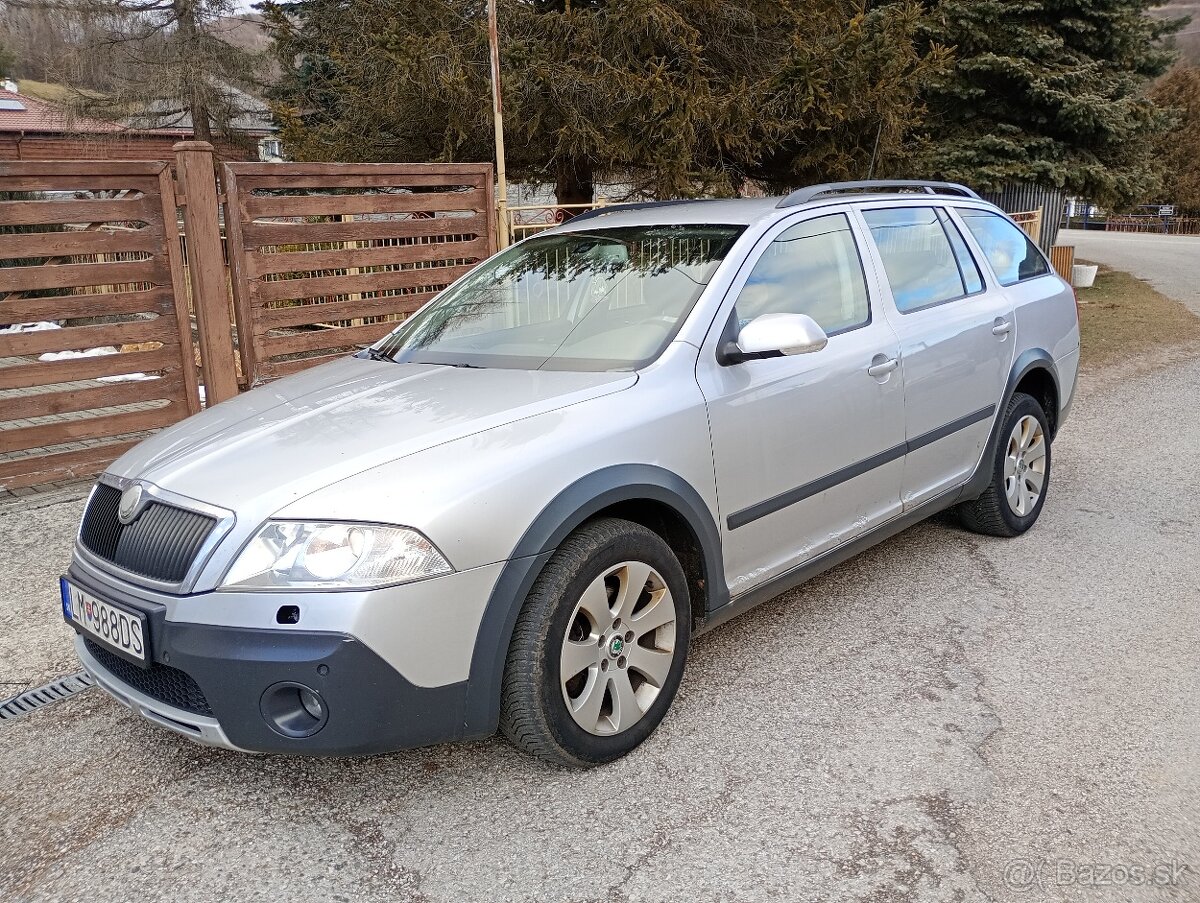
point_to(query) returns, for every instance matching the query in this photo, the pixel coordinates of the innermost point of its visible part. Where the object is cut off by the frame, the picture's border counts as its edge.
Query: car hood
(275, 444)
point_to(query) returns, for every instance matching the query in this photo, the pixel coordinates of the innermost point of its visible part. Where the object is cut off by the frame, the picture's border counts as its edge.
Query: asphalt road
(944, 718)
(1171, 263)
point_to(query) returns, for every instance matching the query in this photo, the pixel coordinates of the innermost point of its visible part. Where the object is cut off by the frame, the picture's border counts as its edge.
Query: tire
(1023, 462)
(567, 623)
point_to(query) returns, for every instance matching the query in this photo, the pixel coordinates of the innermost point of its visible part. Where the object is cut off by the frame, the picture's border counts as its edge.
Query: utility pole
(497, 112)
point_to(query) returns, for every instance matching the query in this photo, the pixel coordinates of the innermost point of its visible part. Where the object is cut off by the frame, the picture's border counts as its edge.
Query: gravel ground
(944, 718)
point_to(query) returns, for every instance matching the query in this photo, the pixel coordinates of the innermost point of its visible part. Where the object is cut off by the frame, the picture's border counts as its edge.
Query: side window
(1008, 249)
(813, 268)
(966, 263)
(921, 264)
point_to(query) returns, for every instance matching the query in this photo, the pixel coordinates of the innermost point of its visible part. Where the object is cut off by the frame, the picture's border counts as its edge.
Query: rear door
(955, 326)
(808, 449)
(1046, 316)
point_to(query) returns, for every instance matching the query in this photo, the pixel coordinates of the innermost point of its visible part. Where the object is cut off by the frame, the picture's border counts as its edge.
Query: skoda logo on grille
(131, 504)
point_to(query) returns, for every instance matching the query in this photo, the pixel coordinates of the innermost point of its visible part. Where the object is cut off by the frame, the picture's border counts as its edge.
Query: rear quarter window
(1013, 256)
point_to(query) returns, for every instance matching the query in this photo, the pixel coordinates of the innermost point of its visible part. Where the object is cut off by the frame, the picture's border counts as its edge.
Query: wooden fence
(1063, 259)
(327, 257)
(94, 247)
(321, 258)
(1031, 221)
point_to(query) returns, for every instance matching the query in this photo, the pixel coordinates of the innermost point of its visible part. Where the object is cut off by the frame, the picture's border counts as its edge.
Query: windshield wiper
(371, 353)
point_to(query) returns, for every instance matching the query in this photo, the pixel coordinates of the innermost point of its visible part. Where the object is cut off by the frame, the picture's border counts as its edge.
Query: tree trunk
(575, 183)
(193, 99)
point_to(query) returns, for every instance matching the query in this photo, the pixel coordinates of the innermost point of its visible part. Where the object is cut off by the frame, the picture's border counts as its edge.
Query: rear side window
(1008, 249)
(972, 278)
(813, 268)
(921, 264)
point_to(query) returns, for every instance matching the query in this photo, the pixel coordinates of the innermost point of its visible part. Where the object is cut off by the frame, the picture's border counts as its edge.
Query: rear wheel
(1020, 474)
(599, 647)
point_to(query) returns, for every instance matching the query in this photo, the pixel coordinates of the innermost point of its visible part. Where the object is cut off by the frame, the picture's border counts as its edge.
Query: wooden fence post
(195, 171)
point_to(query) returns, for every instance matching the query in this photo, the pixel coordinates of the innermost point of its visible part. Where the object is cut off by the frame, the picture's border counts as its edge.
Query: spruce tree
(671, 97)
(1050, 92)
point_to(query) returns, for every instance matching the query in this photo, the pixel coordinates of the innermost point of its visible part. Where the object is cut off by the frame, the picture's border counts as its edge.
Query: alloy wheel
(1025, 466)
(618, 649)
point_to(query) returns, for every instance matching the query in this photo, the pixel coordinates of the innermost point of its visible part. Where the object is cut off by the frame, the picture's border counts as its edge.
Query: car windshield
(609, 299)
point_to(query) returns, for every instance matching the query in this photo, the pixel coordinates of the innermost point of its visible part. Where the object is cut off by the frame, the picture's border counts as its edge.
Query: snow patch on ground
(70, 355)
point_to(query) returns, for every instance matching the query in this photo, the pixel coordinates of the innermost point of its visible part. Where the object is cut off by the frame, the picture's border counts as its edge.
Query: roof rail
(623, 208)
(812, 192)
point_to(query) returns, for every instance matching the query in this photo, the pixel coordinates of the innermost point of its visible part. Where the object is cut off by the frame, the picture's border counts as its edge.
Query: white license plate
(121, 630)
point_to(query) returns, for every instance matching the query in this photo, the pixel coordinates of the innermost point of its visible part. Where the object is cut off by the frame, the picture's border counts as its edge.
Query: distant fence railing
(89, 252)
(1175, 225)
(529, 219)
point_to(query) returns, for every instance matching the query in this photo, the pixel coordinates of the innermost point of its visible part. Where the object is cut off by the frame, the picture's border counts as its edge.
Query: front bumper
(207, 682)
(194, 726)
(371, 707)
(392, 666)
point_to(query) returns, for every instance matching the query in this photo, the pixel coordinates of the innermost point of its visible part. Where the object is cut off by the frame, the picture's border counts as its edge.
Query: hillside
(1188, 41)
(245, 31)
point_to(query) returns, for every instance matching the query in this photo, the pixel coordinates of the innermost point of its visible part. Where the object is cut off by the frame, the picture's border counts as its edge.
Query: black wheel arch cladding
(572, 507)
(1028, 362)
(532, 715)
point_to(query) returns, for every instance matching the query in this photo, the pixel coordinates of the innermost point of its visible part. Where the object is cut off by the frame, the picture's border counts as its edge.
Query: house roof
(22, 113)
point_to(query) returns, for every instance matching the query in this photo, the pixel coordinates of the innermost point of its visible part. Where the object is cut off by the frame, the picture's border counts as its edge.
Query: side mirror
(775, 335)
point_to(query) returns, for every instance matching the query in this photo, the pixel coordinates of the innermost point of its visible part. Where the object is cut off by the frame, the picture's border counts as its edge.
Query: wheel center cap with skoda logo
(616, 647)
(131, 504)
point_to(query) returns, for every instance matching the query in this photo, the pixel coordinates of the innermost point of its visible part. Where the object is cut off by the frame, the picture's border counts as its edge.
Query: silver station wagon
(517, 509)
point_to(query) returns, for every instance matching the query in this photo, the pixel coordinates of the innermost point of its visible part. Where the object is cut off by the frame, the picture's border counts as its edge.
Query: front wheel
(599, 647)
(1020, 474)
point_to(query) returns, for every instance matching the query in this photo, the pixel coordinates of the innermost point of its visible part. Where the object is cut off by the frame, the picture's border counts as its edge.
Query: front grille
(161, 682)
(161, 544)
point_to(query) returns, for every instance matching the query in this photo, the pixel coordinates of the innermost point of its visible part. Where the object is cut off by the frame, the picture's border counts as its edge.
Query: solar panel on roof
(9, 104)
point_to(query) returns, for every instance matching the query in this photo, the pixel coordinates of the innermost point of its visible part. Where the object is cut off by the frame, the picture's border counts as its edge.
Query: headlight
(294, 555)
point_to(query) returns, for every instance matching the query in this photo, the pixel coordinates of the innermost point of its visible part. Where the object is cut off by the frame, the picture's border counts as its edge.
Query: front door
(956, 344)
(808, 449)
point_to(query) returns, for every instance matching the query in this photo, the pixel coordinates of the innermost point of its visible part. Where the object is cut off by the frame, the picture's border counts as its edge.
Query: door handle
(882, 366)
(1002, 328)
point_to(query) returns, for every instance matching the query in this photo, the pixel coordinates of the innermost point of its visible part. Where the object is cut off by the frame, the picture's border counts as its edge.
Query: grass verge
(1123, 319)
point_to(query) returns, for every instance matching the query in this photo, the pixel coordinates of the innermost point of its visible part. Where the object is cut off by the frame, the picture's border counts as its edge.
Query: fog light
(312, 704)
(293, 710)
